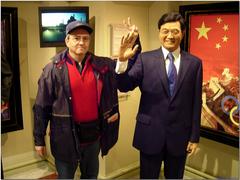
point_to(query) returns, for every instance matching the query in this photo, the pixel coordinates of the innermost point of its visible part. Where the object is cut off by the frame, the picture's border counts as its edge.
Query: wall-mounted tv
(53, 22)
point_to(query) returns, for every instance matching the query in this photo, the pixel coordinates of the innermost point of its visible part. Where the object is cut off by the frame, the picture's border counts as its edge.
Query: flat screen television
(53, 22)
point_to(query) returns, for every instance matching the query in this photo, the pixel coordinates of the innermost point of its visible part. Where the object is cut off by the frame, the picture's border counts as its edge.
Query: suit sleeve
(195, 134)
(42, 108)
(131, 78)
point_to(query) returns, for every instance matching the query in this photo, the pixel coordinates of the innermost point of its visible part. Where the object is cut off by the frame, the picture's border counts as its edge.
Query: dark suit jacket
(162, 119)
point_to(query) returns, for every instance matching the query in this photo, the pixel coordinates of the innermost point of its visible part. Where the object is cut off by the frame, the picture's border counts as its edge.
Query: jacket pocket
(144, 119)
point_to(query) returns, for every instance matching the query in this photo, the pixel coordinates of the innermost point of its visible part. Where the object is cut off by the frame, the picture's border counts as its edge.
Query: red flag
(214, 39)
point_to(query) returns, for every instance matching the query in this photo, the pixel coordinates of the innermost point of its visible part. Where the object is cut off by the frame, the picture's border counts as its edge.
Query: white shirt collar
(175, 53)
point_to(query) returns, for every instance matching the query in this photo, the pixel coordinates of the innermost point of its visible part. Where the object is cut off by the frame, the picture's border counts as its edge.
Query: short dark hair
(172, 17)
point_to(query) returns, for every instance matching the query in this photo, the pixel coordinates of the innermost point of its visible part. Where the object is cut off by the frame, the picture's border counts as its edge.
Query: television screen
(53, 22)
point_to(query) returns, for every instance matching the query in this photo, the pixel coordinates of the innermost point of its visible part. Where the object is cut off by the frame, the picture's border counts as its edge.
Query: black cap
(78, 24)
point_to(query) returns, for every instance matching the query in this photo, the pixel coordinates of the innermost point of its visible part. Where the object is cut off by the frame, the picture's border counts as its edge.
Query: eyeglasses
(172, 31)
(76, 39)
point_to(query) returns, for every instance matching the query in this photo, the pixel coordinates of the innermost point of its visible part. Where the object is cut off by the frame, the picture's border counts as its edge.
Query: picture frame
(53, 22)
(11, 106)
(206, 23)
(117, 31)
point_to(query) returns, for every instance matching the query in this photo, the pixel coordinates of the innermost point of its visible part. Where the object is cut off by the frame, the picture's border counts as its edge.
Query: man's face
(170, 35)
(78, 42)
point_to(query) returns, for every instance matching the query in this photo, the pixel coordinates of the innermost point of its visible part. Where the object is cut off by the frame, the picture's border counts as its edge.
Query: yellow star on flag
(219, 20)
(225, 38)
(203, 31)
(225, 27)
(218, 45)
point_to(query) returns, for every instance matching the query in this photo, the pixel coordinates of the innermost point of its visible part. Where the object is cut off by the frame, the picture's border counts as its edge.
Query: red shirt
(84, 92)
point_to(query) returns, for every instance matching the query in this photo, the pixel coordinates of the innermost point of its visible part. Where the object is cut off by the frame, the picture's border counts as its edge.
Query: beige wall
(214, 158)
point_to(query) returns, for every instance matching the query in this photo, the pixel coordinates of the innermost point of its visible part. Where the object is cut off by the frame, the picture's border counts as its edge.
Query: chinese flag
(214, 39)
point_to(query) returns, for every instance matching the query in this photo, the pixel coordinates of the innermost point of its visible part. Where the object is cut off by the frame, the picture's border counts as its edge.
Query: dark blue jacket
(53, 103)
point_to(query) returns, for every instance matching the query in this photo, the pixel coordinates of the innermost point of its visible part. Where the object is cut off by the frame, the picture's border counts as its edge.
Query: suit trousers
(150, 165)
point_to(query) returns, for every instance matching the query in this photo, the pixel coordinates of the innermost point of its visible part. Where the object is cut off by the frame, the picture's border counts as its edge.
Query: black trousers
(150, 165)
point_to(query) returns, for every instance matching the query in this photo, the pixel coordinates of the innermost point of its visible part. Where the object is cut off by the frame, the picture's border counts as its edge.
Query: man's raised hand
(127, 42)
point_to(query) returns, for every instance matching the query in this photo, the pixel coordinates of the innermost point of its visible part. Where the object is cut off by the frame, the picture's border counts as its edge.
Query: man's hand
(192, 148)
(126, 48)
(129, 25)
(41, 150)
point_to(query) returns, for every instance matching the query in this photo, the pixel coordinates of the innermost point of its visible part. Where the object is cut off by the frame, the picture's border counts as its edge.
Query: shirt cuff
(121, 67)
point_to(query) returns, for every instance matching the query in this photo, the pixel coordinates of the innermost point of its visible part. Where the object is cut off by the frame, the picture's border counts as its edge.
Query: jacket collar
(97, 64)
(63, 55)
(60, 56)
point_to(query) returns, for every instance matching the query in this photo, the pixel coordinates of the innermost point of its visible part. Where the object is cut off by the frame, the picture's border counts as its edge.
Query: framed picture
(11, 107)
(53, 22)
(117, 32)
(212, 34)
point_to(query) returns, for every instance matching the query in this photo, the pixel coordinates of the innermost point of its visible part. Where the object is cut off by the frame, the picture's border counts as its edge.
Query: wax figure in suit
(168, 122)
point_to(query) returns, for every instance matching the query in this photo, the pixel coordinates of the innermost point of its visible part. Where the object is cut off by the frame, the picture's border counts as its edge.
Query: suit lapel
(184, 65)
(162, 71)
